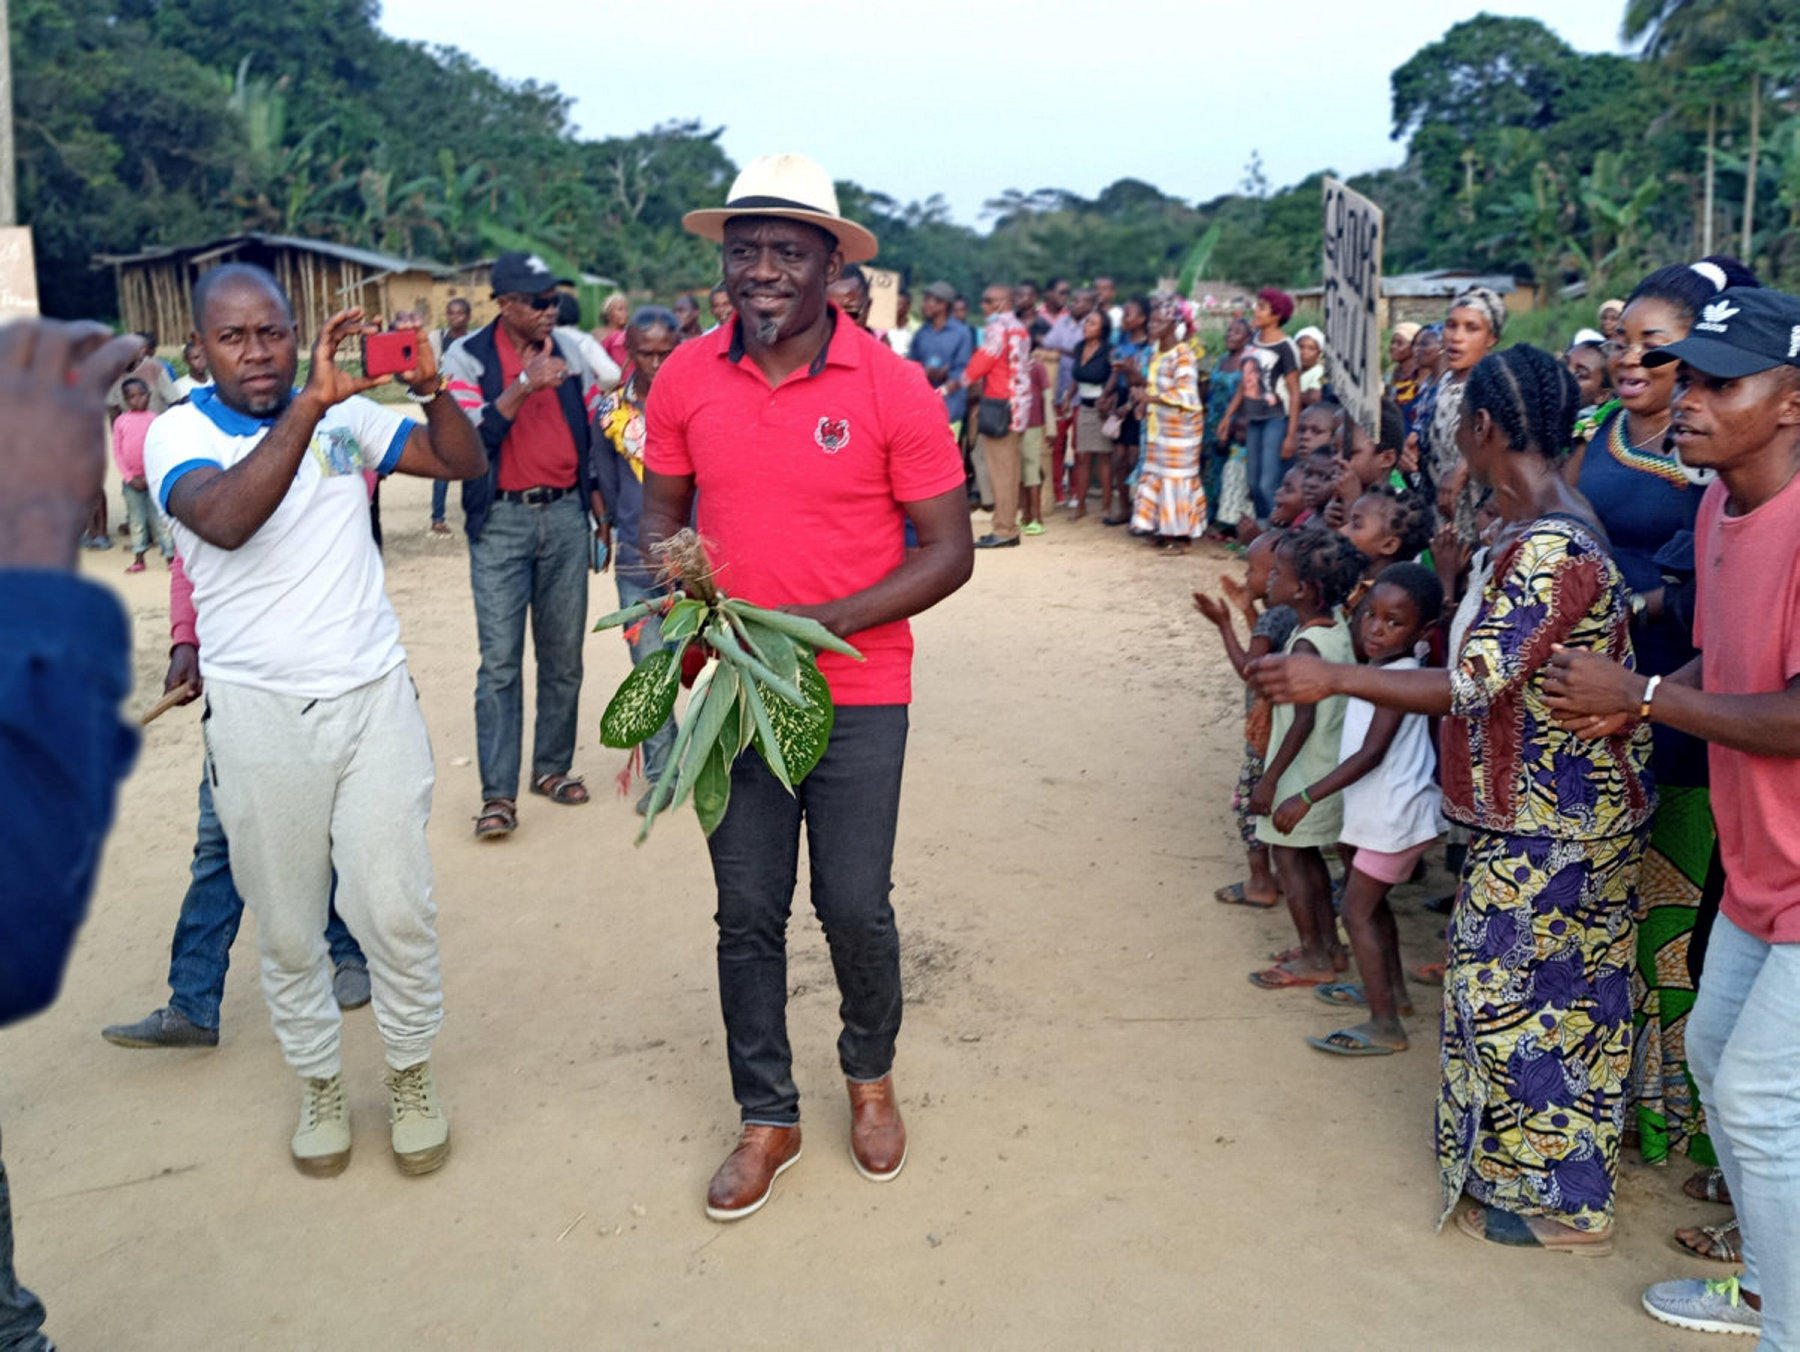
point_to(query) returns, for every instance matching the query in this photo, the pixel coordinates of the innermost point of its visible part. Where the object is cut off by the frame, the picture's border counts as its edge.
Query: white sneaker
(421, 1130)
(1704, 1306)
(322, 1141)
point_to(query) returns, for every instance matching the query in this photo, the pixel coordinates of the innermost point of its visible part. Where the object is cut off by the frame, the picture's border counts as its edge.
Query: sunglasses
(537, 302)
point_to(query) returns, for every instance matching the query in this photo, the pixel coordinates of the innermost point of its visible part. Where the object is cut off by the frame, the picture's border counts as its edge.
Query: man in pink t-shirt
(1737, 411)
(811, 445)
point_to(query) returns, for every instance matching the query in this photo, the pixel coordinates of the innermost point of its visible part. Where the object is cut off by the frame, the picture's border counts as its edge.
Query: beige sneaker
(322, 1141)
(421, 1129)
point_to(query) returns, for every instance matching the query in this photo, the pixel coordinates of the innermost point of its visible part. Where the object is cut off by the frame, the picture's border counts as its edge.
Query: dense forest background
(141, 122)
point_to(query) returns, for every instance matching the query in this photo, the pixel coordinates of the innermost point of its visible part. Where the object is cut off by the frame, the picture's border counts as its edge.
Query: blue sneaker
(1704, 1306)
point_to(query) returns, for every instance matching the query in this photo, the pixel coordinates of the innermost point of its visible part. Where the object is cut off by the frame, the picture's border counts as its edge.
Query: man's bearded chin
(768, 331)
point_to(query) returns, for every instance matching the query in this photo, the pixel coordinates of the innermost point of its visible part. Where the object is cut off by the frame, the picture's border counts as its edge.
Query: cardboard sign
(884, 298)
(18, 274)
(1352, 303)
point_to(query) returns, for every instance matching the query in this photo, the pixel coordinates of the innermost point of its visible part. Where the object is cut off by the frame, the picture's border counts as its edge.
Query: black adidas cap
(1741, 332)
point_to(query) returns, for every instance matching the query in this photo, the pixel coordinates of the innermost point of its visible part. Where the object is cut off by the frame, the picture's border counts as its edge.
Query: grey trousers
(302, 786)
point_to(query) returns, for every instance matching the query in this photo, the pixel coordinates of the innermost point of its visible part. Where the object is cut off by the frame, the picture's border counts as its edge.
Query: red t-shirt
(801, 485)
(539, 450)
(1747, 627)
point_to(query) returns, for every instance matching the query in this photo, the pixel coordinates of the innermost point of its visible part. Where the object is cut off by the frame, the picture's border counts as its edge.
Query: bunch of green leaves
(760, 688)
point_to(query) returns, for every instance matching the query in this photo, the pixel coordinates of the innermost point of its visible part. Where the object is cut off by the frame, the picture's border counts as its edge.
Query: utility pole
(9, 194)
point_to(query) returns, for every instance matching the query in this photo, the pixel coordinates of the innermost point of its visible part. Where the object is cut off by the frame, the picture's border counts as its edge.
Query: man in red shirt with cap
(811, 445)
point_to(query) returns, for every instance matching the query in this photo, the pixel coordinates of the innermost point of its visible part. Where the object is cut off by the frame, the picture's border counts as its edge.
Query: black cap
(1743, 331)
(521, 274)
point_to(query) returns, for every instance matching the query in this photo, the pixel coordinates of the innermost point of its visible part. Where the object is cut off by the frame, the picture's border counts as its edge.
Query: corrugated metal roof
(368, 258)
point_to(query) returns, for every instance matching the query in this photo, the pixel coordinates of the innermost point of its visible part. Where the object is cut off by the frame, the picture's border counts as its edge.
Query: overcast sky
(971, 97)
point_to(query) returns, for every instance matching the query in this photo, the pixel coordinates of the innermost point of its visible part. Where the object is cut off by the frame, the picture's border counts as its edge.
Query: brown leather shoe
(877, 1135)
(744, 1182)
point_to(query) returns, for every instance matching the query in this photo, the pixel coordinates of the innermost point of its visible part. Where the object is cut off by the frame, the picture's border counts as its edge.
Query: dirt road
(1116, 1141)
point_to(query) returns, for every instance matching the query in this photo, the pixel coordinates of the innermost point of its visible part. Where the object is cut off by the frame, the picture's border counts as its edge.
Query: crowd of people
(1544, 608)
(1581, 567)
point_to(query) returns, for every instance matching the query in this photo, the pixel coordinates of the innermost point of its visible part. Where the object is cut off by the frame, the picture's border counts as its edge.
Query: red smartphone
(386, 354)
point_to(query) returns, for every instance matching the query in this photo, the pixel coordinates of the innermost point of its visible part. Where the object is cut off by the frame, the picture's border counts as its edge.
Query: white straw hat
(791, 186)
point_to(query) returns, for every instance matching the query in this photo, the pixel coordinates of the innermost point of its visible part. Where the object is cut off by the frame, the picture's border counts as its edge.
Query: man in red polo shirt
(531, 521)
(811, 445)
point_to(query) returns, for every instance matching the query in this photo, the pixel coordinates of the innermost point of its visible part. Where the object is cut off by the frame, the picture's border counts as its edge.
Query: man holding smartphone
(531, 523)
(316, 749)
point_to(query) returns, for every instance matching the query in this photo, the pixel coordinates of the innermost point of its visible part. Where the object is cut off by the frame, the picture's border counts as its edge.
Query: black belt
(536, 497)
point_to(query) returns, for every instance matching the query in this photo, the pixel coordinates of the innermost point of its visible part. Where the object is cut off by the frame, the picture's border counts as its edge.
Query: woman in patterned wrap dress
(1537, 993)
(1170, 505)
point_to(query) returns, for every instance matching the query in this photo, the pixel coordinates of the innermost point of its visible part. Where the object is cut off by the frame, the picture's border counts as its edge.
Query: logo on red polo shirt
(832, 434)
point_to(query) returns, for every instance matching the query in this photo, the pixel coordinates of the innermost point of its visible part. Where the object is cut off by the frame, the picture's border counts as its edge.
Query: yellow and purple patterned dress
(1170, 501)
(1537, 991)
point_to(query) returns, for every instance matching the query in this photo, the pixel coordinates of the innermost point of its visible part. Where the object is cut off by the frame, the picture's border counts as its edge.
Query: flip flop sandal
(1340, 960)
(1281, 978)
(1708, 1186)
(1234, 895)
(1722, 1245)
(1353, 1044)
(1430, 973)
(1503, 1227)
(498, 820)
(1347, 993)
(565, 789)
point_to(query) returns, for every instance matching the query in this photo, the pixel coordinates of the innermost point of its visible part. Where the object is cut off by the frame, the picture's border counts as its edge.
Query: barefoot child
(1313, 572)
(1269, 632)
(1390, 804)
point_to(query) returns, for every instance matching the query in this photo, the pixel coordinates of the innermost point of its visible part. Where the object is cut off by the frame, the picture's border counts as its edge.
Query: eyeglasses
(537, 302)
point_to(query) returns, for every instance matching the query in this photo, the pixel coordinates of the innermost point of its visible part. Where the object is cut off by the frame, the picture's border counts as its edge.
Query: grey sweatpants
(302, 786)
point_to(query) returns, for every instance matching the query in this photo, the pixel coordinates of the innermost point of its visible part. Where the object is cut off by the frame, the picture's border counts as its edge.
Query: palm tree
(1687, 33)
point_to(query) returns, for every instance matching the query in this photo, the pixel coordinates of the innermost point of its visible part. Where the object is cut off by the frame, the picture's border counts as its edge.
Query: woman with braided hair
(1647, 500)
(1537, 991)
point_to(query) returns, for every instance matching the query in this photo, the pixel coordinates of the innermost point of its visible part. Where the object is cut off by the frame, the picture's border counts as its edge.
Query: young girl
(1390, 805)
(1388, 528)
(1269, 632)
(1313, 571)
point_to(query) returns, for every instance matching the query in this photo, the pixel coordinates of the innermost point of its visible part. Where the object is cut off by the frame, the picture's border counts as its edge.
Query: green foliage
(147, 122)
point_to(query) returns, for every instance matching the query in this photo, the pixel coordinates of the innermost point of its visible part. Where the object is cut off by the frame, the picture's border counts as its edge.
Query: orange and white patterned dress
(1170, 501)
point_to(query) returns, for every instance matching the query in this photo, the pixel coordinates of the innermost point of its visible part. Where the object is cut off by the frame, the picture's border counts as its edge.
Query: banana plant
(758, 686)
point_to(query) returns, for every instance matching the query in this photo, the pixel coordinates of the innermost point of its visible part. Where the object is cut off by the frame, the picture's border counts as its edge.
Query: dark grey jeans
(529, 559)
(21, 1313)
(851, 805)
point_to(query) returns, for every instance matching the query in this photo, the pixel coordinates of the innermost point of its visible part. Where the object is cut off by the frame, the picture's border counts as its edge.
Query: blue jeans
(208, 923)
(529, 559)
(1263, 463)
(634, 586)
(851, 805)
(21, 1313)
(440, 498)
(1744, 1051)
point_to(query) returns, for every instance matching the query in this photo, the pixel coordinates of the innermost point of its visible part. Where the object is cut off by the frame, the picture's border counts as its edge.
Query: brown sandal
(499, 818)
(1717, 1242)
(565, 789)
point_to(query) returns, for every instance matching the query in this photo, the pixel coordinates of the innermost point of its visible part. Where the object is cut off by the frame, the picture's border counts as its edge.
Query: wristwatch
(438, 387)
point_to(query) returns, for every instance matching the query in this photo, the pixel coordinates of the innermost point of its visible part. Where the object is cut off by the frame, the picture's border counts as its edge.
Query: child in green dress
(1313, 572)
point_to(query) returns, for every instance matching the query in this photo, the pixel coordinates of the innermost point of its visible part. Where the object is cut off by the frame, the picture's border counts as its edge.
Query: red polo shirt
(539, 450)
(801, 484)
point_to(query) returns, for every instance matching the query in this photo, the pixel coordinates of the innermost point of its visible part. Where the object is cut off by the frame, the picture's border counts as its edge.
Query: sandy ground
(1116, 1141)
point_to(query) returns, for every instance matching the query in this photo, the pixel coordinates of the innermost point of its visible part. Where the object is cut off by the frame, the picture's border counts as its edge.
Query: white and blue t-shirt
(301, 608)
